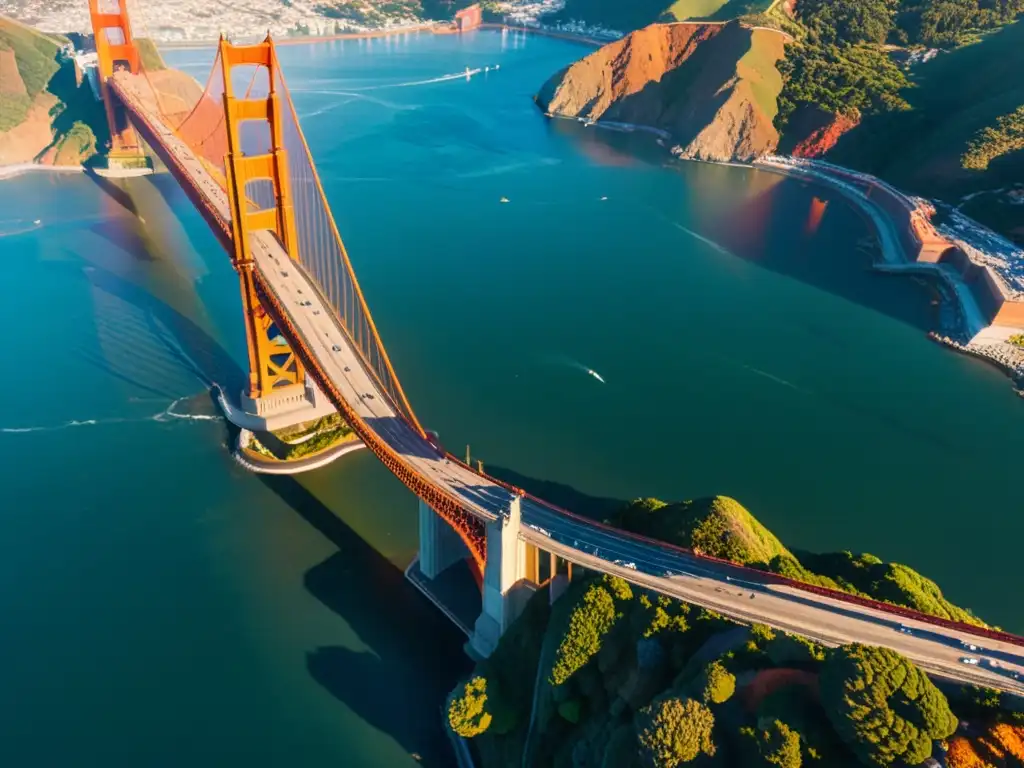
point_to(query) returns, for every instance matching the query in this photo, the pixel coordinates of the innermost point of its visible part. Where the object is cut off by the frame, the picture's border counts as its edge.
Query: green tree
(774, 745)
(992, 142)
(467, 708)
(671, 731)
(847, 21)
(590, 621)
(715, 684)
(883, 706)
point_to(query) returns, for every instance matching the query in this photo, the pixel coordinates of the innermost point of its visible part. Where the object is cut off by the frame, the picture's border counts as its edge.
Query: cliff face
(712, 87)
(812, 132)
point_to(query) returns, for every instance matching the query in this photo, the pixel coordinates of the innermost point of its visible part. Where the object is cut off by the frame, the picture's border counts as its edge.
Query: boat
(504, 200)
(37, 222)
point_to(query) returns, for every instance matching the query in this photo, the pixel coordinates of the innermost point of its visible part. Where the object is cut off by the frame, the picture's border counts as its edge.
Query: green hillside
(952, 99)
(627, 16)
(36, 58)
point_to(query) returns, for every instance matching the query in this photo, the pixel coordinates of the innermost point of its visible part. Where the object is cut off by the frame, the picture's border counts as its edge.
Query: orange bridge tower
(279, 393)
(115, 51)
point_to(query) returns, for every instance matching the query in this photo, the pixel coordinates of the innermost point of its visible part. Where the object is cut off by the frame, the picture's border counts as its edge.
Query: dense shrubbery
(630, 678)
(992, 142)
(672, 730)
(775, 744)
(715, 685)
(882, 706)
(1017, 340)
(590, 621)
(839, 79)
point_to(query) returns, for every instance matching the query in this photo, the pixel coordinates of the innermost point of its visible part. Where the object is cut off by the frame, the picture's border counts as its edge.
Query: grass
(290, 434)
(321, 442)
(36, 57)
(757, 67)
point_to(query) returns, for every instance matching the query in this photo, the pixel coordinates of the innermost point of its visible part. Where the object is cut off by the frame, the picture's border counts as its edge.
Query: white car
(968, 646)
(906, 630)
(969, 660)
(622, 564)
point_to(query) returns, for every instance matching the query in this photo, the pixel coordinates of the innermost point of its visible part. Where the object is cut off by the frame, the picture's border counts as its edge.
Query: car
(316, 311)
(969, 660)
(968, 646)
(991, 662)
(283, 273)
(906, 630)
(347, 369)
(336, 348)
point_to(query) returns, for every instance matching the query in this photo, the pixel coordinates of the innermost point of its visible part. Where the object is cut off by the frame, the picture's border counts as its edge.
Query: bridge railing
(768, 576)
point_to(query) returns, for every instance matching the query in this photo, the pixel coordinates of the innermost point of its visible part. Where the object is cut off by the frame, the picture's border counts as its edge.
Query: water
(163, 607)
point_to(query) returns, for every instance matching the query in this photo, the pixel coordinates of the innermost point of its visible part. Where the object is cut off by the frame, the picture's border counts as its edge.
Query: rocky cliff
(711, 87)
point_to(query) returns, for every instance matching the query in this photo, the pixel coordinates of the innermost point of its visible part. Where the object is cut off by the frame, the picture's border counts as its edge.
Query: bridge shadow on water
(560, 494)
(399, 686)
(181, 339)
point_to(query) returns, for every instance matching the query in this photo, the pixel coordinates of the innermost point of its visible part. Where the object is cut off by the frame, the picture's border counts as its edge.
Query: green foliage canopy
(882, 706)
(671, 731)
(774, 745)
(590, 621)
(715, 684)
(849, 21)
(467, 708)
(991, 142)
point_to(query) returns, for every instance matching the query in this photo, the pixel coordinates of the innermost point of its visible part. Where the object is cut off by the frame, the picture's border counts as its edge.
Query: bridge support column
(506, 588)
(440, 545)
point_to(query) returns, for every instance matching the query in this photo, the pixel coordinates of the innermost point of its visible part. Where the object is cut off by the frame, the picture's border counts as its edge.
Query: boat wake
(707, 241)
(772, 377)
(569, 362)
(166, 415)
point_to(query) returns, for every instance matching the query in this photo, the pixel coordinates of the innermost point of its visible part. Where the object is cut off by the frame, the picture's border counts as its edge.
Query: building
(468, 18)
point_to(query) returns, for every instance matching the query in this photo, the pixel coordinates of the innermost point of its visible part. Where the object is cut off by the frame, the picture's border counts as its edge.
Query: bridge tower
(279, 393)
(115, 50)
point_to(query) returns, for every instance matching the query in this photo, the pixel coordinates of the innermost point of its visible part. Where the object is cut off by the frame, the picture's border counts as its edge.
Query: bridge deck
(744, 594)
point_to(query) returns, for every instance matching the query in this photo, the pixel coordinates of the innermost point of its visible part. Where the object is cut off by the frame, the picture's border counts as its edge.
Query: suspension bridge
(239, 154)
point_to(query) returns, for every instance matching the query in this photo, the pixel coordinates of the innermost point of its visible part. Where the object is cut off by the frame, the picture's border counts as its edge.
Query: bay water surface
(164, 607)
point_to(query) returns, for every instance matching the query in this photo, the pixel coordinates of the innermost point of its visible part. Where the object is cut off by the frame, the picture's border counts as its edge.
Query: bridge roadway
(742, 594)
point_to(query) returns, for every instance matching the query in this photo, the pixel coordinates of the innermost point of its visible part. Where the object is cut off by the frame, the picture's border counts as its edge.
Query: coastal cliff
(711, 87)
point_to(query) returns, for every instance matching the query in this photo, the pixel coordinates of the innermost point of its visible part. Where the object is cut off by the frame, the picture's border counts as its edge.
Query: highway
(741, 594)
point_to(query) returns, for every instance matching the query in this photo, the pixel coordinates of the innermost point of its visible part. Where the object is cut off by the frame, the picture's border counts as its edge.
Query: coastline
(974, 334)
(426, 26)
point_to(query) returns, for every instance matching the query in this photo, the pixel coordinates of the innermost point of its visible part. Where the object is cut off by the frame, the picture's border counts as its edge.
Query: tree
(671, 731)
(715, 684)
(848, 21)
(467, 708)
(989, 143)
(774, 745)
(882, 706)
(590, 621)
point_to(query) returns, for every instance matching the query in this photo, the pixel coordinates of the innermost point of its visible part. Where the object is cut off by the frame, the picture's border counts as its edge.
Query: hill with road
(712, 88)
(919, 92)
(613, 675)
